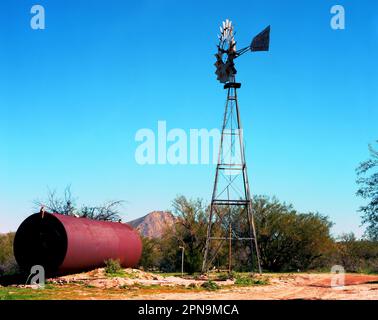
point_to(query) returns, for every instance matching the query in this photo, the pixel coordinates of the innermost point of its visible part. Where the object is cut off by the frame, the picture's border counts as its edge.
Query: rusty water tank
(66, 244)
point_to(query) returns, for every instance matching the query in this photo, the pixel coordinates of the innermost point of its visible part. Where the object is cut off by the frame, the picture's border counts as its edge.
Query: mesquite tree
(367, 173)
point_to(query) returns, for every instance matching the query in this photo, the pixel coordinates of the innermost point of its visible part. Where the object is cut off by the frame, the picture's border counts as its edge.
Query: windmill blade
(261, 41)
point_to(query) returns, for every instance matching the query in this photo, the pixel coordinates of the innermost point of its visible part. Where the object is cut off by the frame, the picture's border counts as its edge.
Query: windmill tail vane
(261, 41)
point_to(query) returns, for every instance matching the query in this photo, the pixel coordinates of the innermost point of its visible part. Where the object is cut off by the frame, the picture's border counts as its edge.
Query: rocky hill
(153, 224)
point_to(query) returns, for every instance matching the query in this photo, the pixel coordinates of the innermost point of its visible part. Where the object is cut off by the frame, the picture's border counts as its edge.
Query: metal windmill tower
(231, 200)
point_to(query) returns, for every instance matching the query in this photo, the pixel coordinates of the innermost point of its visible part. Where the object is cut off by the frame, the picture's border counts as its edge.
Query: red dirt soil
(349, 280)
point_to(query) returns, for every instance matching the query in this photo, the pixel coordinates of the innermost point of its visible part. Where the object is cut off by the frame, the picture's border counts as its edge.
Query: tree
(109, 211)
(289, 240)
(367, 178)
(357, 255)
(66, 205)
(8, 264)
(63, 205)
(189, 231)
(151, 254)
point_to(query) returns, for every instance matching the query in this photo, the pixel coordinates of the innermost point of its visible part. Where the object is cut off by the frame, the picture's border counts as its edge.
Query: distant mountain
(153, 224)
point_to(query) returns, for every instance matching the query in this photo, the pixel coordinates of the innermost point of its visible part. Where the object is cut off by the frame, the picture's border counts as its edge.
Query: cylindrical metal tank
(65, 244)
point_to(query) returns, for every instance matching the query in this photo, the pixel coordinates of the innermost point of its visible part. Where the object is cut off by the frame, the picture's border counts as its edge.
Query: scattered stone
(99, 279)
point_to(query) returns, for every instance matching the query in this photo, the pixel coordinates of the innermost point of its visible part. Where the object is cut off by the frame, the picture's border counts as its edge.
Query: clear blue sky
(72, 97)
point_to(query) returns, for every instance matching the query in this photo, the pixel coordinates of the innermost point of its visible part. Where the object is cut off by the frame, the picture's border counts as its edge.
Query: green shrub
(226, 276)
(249, 281)
(8, 264)
(125, 287)
(210, 285)
(223, 277)
(113, 267)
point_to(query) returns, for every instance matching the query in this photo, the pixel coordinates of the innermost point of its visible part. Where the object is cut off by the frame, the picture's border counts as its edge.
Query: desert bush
(357, 255)
(367, 179)
(66, 205)
(151, 254)
(113, 267)
(8, 264)
(249, 281)
(224, 277)
(9, 267)
(190, 232)
(290, 240)
(210, 285)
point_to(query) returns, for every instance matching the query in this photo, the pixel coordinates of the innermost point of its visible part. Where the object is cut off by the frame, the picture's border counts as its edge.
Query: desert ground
(136, 284)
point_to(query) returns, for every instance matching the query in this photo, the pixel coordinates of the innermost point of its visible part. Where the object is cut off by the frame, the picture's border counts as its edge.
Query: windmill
(231, 217)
